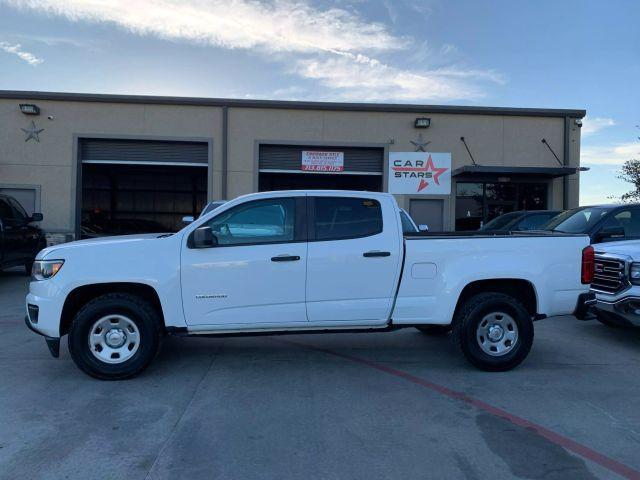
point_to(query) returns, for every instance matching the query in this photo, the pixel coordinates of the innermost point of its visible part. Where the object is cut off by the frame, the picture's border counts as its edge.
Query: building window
(480, 202)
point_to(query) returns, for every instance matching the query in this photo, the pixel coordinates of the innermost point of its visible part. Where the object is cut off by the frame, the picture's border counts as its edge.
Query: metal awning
(546, 172)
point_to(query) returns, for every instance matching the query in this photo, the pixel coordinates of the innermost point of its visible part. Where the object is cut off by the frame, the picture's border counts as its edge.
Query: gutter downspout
(565, 160)
(225, 134)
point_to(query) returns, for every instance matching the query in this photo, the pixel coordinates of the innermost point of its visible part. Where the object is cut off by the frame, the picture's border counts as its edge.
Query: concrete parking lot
(366, 406)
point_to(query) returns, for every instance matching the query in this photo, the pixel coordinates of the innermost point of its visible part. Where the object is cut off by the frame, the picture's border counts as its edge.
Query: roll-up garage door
(288, 158)
(143, 152)
(140, 186)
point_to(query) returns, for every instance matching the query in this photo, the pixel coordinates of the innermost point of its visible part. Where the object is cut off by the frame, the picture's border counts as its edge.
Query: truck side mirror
(611, 231)
(187, 220)
(203, 237)
(423, 228)
(36, 217)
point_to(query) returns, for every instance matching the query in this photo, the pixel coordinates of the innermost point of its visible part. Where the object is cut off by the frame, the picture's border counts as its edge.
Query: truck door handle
(285, 258)
(376, 253)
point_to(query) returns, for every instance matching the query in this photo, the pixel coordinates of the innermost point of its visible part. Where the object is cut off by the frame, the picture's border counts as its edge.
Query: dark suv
(603, 223)
(19, 241)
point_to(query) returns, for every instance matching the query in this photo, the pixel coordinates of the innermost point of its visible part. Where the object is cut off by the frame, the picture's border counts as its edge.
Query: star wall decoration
(32, 132)
(420, 143)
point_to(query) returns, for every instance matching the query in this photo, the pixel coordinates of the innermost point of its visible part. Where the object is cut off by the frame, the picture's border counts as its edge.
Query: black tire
(468, 318)
(137, 310)
(435, 329)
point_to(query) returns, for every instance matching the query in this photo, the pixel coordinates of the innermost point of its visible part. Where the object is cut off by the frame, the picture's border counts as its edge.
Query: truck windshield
(578, 220)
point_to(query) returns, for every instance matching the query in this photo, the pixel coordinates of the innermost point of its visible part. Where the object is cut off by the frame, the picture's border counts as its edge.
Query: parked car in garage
(616, 283)
(522, 220)
(303, 261)
(20, 241)
(603, 223)
(124, 226)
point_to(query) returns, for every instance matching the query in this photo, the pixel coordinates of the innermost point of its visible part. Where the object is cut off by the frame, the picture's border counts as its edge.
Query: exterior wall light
(29, 109)
(422, 123)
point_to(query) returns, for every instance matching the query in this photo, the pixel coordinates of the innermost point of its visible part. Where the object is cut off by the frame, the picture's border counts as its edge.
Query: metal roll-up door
(143, 152)
(288, 158)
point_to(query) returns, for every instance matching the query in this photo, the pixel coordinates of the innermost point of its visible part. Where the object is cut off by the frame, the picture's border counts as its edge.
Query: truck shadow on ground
(404, 348)
(616, 336)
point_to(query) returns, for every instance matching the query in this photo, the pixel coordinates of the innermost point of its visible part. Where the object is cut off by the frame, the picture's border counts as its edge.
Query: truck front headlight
(45, 269)
(634, 273)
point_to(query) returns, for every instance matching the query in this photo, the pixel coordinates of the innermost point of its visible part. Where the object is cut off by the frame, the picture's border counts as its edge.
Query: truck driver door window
(265, 221)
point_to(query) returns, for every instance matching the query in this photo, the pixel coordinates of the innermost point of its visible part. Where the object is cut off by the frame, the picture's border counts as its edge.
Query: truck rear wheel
(494, 331)
(115, 336)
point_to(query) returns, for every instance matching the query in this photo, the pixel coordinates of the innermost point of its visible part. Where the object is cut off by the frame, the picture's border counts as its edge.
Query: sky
(514, 53)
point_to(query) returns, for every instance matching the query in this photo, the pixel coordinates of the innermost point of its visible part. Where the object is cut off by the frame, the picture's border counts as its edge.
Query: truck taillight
(588, 266)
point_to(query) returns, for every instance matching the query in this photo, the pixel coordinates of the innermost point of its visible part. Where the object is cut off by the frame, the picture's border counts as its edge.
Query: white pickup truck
(616, 283)
(303, 262)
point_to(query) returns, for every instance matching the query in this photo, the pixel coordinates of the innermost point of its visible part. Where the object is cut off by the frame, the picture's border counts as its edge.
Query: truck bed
(489, 234)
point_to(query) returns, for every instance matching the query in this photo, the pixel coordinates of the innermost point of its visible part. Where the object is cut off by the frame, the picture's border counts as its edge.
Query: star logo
(32, 132)
(420, 143)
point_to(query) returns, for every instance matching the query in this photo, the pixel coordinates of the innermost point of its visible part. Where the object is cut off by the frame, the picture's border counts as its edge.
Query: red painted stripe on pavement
(565, 442)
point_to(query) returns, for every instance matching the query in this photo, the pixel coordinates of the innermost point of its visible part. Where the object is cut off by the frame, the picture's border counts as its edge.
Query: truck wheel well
(519, 289)
(81, 295)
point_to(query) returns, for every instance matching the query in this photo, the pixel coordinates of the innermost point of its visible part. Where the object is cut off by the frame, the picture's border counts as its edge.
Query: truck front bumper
(43, 314)
(625, 311)
(583, 309)
(53, 343)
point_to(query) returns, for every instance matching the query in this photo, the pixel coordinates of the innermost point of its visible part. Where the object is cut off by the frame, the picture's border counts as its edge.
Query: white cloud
(364, 78)
(278, 26)
(333, 46)
(593, 125)
(16, 49)
(614, 154)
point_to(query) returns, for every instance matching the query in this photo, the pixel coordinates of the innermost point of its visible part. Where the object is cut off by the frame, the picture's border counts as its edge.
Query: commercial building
(96, 164)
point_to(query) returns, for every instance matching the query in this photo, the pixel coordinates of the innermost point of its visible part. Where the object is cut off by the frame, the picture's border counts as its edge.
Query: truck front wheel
(115, 336)
(494, 331)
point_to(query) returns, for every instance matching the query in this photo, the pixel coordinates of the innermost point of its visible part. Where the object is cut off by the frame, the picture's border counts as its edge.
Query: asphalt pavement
(333, 406)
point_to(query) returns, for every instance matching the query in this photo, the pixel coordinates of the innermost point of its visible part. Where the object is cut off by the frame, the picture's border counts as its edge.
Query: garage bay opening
(286, 167)
(133, 186)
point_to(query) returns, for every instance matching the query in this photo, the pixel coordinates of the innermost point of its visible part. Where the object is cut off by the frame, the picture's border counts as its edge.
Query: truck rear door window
(341, 218)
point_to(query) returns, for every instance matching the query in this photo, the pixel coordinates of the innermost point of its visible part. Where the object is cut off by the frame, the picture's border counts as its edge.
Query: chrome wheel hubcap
(114, 339)
(497, 334)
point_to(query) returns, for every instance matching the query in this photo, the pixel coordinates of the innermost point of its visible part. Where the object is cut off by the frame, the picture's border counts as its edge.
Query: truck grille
(610, 275)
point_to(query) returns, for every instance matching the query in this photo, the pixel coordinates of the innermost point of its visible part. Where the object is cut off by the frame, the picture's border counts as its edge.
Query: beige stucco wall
(494, 140)
(51, 163)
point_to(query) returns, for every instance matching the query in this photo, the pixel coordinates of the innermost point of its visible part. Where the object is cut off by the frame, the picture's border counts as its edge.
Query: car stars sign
(420, 173)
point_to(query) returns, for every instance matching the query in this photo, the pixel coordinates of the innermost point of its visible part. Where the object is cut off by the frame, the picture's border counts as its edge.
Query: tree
(630, 172)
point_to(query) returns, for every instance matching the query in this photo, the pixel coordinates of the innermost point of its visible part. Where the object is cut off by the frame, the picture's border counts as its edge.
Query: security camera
(50, 117)
(578, 122)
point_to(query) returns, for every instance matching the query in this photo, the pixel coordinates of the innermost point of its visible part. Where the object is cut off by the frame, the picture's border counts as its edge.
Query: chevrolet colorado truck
(302, 262)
